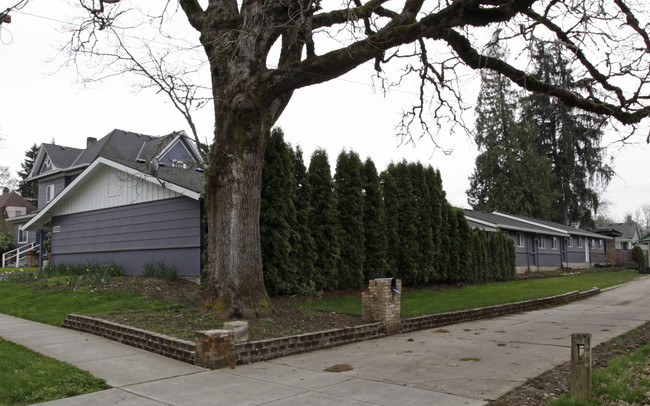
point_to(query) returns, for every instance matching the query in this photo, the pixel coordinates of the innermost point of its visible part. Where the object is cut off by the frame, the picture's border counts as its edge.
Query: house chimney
(5, 190)
(90, 141)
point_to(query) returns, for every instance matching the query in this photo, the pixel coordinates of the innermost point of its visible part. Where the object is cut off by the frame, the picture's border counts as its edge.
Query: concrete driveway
(462, 364)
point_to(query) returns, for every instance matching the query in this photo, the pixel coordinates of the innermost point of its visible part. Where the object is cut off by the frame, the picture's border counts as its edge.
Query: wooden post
(580, 381)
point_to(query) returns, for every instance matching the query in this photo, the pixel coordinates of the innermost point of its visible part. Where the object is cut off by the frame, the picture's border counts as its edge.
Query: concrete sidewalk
(462, 364)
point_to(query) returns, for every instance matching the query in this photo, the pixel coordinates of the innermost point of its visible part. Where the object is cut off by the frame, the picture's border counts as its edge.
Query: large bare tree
(429, 39)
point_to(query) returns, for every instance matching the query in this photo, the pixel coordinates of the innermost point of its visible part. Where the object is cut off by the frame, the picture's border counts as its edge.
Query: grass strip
(624, 381)
(427, 301)
(52, 306)
(28, 377)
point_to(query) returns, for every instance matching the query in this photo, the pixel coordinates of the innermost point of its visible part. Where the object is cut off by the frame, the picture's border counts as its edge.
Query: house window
(23, 236)
(592, 243)
(520, 240)
(570, 242)
(179, 164)
(554, 243)
(49, 193)
(579, 242)
(625, 245)
(600, 243)
(542, 243)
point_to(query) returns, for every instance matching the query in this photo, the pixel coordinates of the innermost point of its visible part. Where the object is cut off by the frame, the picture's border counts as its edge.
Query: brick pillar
(215, 349)
(380, 302)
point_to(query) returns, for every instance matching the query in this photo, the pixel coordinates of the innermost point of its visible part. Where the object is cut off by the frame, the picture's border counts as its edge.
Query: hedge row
(320, 231)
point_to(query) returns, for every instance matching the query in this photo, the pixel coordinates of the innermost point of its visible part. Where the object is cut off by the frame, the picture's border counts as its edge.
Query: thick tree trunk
(235, 284)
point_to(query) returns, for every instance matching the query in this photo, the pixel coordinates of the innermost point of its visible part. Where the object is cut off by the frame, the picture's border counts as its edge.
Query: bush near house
(638, 257)
(6, 242)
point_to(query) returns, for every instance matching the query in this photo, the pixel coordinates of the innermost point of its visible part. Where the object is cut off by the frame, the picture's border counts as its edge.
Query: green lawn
(52, 306)
(421, 302)
(27, 377)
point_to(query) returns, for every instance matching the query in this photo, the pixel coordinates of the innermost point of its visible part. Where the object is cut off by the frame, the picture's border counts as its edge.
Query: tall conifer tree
(28, 189)
(323, 221)
(349, 192)
(277, 215)
(302, 243)
(510, 175)
(570, 139)
(374, 220)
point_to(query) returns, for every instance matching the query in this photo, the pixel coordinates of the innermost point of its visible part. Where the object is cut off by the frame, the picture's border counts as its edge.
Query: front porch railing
(13, 258)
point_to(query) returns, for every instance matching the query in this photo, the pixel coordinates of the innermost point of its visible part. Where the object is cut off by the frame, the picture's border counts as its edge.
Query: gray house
(543, 245)
(128, 198)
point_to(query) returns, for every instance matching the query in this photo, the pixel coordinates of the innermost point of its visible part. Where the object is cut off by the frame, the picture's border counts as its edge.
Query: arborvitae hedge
(324, 232)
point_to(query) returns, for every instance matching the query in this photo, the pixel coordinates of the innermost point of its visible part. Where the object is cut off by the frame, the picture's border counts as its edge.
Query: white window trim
(579, 242)
(23, 236)
(521, 242)
(49, 193)
(570, 243)
(554, 243)
(542, 243)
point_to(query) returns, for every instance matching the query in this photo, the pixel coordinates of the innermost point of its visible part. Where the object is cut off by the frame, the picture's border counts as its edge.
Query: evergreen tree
(374, 220)
(323, 221)
(425, 256)
(453, 271)
(570, 139)
(408, 249)
(349, 190)
(390, 192)
(510, 175)
(435, 203)
(303, 247)
(464, 246)
(28, 189)
(277, 214)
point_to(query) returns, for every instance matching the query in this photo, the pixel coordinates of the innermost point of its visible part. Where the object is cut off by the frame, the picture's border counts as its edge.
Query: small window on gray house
(520, 240)
(542, 242)
(592, 243)
(49, 193)
(600, 243)
(23, 236)
(570, 242)
(579, 242)
(176, 163)
(554, 243)
(625, 245)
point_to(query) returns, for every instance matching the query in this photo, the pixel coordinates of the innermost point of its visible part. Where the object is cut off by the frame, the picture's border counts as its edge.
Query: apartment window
(23, 236)
(49, 193)
(570, 242)
(554, 243)
(520, 240)
(542, 243)
(592, 243)
(600, 243)
(579, 242)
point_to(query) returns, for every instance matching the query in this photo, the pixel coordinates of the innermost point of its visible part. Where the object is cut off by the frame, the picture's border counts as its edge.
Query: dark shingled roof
(61, 157)
(568, 229)
(627, 230)
(186, 178)
(117, 145)
(505, 223)
(16, 200)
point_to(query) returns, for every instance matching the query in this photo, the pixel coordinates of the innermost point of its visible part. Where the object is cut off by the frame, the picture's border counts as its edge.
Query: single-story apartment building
(543, 245)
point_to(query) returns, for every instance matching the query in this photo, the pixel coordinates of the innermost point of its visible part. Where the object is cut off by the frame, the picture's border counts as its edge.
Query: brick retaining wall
(279, 347)
(441, 319)
(160, 344)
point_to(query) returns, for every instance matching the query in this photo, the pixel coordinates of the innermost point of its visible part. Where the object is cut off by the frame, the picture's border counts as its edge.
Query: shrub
(638, 257)
(6, 242)
(160, 270)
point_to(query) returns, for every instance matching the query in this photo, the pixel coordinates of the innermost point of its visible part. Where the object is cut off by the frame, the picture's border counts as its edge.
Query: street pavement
(462, 364)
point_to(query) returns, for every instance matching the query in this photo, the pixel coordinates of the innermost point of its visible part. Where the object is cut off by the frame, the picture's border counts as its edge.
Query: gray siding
(59, 185)
(165, 230)
(31, 236)
(181, 152)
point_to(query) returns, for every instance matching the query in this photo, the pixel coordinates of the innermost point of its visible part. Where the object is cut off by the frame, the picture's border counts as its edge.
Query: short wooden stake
(580, 383)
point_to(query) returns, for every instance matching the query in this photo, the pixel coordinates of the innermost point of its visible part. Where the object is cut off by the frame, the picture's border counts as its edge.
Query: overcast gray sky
(41, 102)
